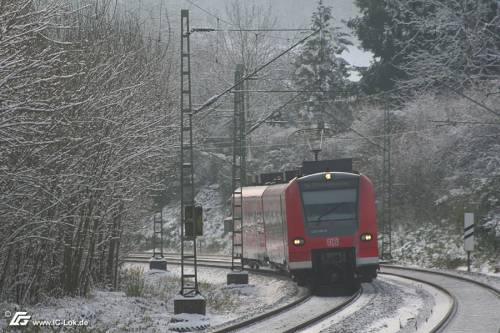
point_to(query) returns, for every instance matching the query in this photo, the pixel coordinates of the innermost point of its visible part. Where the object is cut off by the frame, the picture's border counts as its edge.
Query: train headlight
(328, 176)
(366, 237)
(298, 241)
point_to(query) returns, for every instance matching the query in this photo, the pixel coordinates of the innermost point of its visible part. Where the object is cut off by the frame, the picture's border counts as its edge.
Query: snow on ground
(492, 279)
(416, 314)
(369, 293)
(436, 248)
(110, 311)
(385, 306)
(229, 303)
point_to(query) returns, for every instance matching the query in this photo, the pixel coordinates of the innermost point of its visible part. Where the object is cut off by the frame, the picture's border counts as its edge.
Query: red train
(320, 227)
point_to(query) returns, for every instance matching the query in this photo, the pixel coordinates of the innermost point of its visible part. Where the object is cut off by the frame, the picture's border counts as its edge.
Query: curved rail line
(224, 262)
(263, 316)
(465, 301)
(327, 313)
(494, 290)
(215, 261)
(451, 311)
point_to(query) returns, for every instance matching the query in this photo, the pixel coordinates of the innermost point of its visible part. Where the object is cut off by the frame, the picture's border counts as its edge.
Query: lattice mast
(158, 235)
(189, 276)
(238, 171)
(386, 227)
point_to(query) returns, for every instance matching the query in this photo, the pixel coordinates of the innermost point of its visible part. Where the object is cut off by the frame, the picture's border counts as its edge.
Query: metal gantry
(238, 172)
(386, 227)
(189, 278)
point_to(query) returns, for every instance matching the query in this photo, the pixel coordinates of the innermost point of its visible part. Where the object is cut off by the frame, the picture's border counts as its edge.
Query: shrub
(134, 282)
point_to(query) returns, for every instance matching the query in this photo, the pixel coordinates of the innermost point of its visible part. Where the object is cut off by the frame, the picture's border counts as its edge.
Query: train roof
(258, 191)
(276, 189)
(320, 176)
(254, 191)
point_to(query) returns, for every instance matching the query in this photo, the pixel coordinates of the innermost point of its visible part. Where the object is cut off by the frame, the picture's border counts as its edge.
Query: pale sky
(290, 13)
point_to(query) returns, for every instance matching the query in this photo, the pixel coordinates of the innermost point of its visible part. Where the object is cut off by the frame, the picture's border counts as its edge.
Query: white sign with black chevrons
(469, 231)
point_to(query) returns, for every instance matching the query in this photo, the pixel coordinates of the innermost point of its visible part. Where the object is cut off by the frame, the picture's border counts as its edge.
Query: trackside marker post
(468, 236)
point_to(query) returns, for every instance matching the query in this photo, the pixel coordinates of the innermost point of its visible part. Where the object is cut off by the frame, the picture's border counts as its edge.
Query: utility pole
(386, 228)
(186, 302)
(237, 274)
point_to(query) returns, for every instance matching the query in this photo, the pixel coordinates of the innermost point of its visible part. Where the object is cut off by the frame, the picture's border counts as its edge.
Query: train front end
(332, 233)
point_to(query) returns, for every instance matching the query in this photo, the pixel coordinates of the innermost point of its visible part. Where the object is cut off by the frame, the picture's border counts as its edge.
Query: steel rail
(202, 262)
(437, 328)
(492, 289)
(451, 311)
(327, 313)
(172, 257)
(263, 316)
(171, 254)
(216, 261)
(223, 262)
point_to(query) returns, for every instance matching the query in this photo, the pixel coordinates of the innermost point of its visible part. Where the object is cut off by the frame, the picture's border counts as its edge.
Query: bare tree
(459, 41)
(84, 129)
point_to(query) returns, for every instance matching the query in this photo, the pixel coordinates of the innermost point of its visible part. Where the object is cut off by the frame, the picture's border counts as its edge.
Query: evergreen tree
(378, 31)
(427, 41)
(320, 68)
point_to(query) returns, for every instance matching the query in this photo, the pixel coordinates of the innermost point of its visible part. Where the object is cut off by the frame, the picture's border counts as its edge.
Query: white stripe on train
(366, 261)
(300, 264)
(308, 264)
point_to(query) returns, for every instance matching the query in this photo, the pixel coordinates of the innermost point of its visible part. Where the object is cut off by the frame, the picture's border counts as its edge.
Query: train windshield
(329, 204)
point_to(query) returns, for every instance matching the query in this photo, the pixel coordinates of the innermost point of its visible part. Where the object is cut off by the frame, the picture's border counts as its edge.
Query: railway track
(307, 313)
(304, 310)
(475, 305)
(172, 258)
(462, 315)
